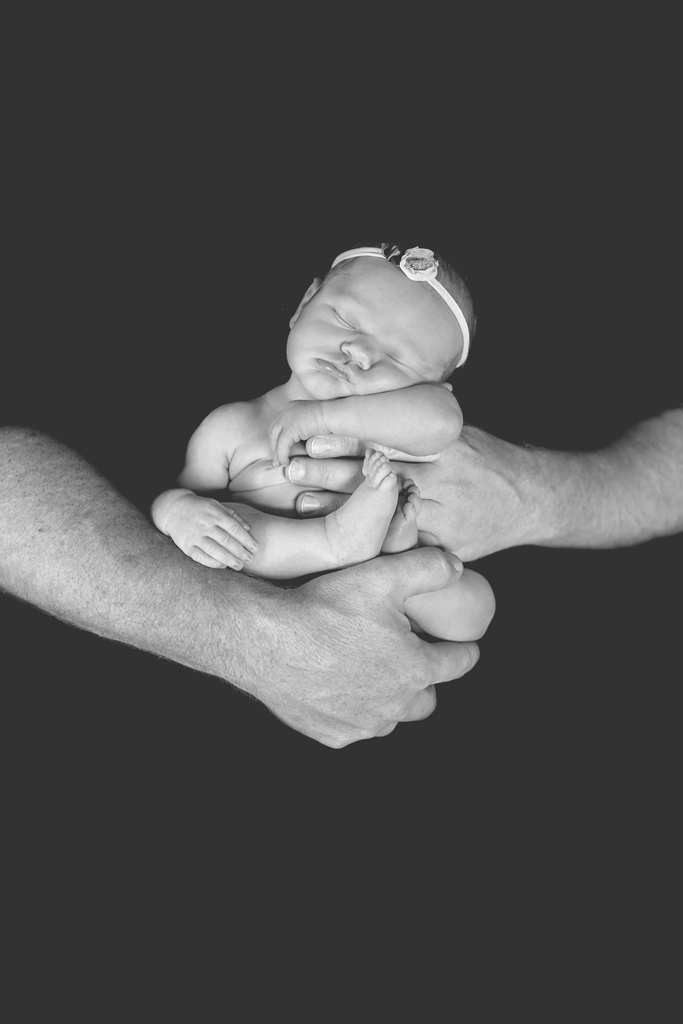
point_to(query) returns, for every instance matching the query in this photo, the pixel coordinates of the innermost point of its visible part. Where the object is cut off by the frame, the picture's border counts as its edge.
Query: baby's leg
(461, 611)
(402, 532)
(354, 533)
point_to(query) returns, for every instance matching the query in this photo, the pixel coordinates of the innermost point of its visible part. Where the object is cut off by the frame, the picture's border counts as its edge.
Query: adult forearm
(334, 658)
(624, 494)
(485, 495)
(73, 546)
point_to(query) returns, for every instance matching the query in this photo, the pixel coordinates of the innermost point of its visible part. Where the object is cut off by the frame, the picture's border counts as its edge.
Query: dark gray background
(166, 231)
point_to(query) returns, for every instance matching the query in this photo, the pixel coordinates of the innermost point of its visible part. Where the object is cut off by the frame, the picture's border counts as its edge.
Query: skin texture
(484, 495)
(334, 659)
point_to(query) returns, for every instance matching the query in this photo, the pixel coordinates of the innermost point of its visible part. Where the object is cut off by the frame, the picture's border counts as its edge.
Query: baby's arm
(419, 420)
(205, 529)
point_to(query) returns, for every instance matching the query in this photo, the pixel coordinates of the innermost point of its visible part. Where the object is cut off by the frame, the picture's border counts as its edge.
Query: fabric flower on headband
(419, 264)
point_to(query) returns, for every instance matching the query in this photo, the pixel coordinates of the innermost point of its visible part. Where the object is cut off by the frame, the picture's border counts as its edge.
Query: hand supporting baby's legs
(378, 516)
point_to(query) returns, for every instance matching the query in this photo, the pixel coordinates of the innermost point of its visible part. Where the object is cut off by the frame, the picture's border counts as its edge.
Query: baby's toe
(370, 461)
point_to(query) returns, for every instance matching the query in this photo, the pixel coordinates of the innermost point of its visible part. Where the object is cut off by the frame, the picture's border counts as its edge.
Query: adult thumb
(422, 570)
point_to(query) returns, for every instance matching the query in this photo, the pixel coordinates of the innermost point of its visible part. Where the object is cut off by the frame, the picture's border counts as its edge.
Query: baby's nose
(359, 352)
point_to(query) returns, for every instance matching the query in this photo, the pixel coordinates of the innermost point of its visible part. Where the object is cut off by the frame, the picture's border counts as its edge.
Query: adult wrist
(539, 483)
(560, 492)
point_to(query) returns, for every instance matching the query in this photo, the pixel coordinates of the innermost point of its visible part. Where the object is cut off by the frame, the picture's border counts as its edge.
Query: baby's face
(372, 329)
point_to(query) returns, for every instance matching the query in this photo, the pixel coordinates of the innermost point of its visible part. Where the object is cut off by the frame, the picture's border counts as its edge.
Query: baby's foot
(402, 532)
(356, 530)
(378, 472)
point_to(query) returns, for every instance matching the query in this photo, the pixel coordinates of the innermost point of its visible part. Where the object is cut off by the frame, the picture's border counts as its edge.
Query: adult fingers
(340, 475)
(334, 446)
(449, 659)
(319, 503)
(419, 571)
(422, 706)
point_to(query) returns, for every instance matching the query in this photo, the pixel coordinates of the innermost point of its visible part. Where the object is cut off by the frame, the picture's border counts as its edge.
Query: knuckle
(336, 742)
(437, 562)
(326, 472)
(427, 703)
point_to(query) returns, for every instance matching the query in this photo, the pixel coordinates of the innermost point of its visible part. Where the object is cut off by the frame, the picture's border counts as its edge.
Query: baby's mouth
(333, 370)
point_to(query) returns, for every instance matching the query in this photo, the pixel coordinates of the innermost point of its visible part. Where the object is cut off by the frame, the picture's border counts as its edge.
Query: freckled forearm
(420, 420)
(88, 557)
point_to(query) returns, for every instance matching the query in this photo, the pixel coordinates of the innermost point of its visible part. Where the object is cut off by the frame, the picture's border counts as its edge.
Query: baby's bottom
(461, 611)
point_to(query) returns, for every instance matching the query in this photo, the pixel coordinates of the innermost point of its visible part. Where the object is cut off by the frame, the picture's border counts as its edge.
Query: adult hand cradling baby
(334, 658)
(484, 495)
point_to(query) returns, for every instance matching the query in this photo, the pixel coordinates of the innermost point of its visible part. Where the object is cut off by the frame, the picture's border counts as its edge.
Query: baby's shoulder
(235, 419)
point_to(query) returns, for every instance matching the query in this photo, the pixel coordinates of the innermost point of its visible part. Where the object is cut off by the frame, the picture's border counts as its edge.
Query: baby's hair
(453, 282)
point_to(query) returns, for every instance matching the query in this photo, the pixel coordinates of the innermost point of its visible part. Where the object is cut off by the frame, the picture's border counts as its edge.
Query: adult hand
(335, 658)
(476, 497)
(349, 667)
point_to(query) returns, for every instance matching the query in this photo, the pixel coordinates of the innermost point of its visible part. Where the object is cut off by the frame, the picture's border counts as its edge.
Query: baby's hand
(296, 422)
(209, 532)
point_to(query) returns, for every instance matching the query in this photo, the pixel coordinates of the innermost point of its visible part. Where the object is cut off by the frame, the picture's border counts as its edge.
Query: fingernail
(309, 503)
(455, 561)
(295, 470)
(318, 446)
(253, 547)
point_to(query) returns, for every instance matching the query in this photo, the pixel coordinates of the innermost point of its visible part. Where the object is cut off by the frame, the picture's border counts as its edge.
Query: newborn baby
(370, 349)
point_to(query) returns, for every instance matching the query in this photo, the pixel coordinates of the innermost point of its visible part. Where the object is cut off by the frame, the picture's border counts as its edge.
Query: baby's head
(370, 326)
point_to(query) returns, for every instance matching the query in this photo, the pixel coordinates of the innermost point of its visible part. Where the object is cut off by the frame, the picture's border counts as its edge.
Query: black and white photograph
(341, 525)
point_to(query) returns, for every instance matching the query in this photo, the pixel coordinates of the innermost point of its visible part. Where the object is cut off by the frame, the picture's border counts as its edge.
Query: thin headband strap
(420, 265)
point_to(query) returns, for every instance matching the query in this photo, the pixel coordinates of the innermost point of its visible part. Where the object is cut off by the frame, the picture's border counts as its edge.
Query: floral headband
(419, 265)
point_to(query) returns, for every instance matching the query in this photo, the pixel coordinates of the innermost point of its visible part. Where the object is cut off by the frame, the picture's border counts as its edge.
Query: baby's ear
(444, 384)
(308, 295)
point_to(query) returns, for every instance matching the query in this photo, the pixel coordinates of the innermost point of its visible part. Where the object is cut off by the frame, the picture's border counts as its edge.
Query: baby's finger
(230, 526)
(200, 556)
(274, 437)
(283, 447)
(231, 546)
(219, 553)
(239, 519)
